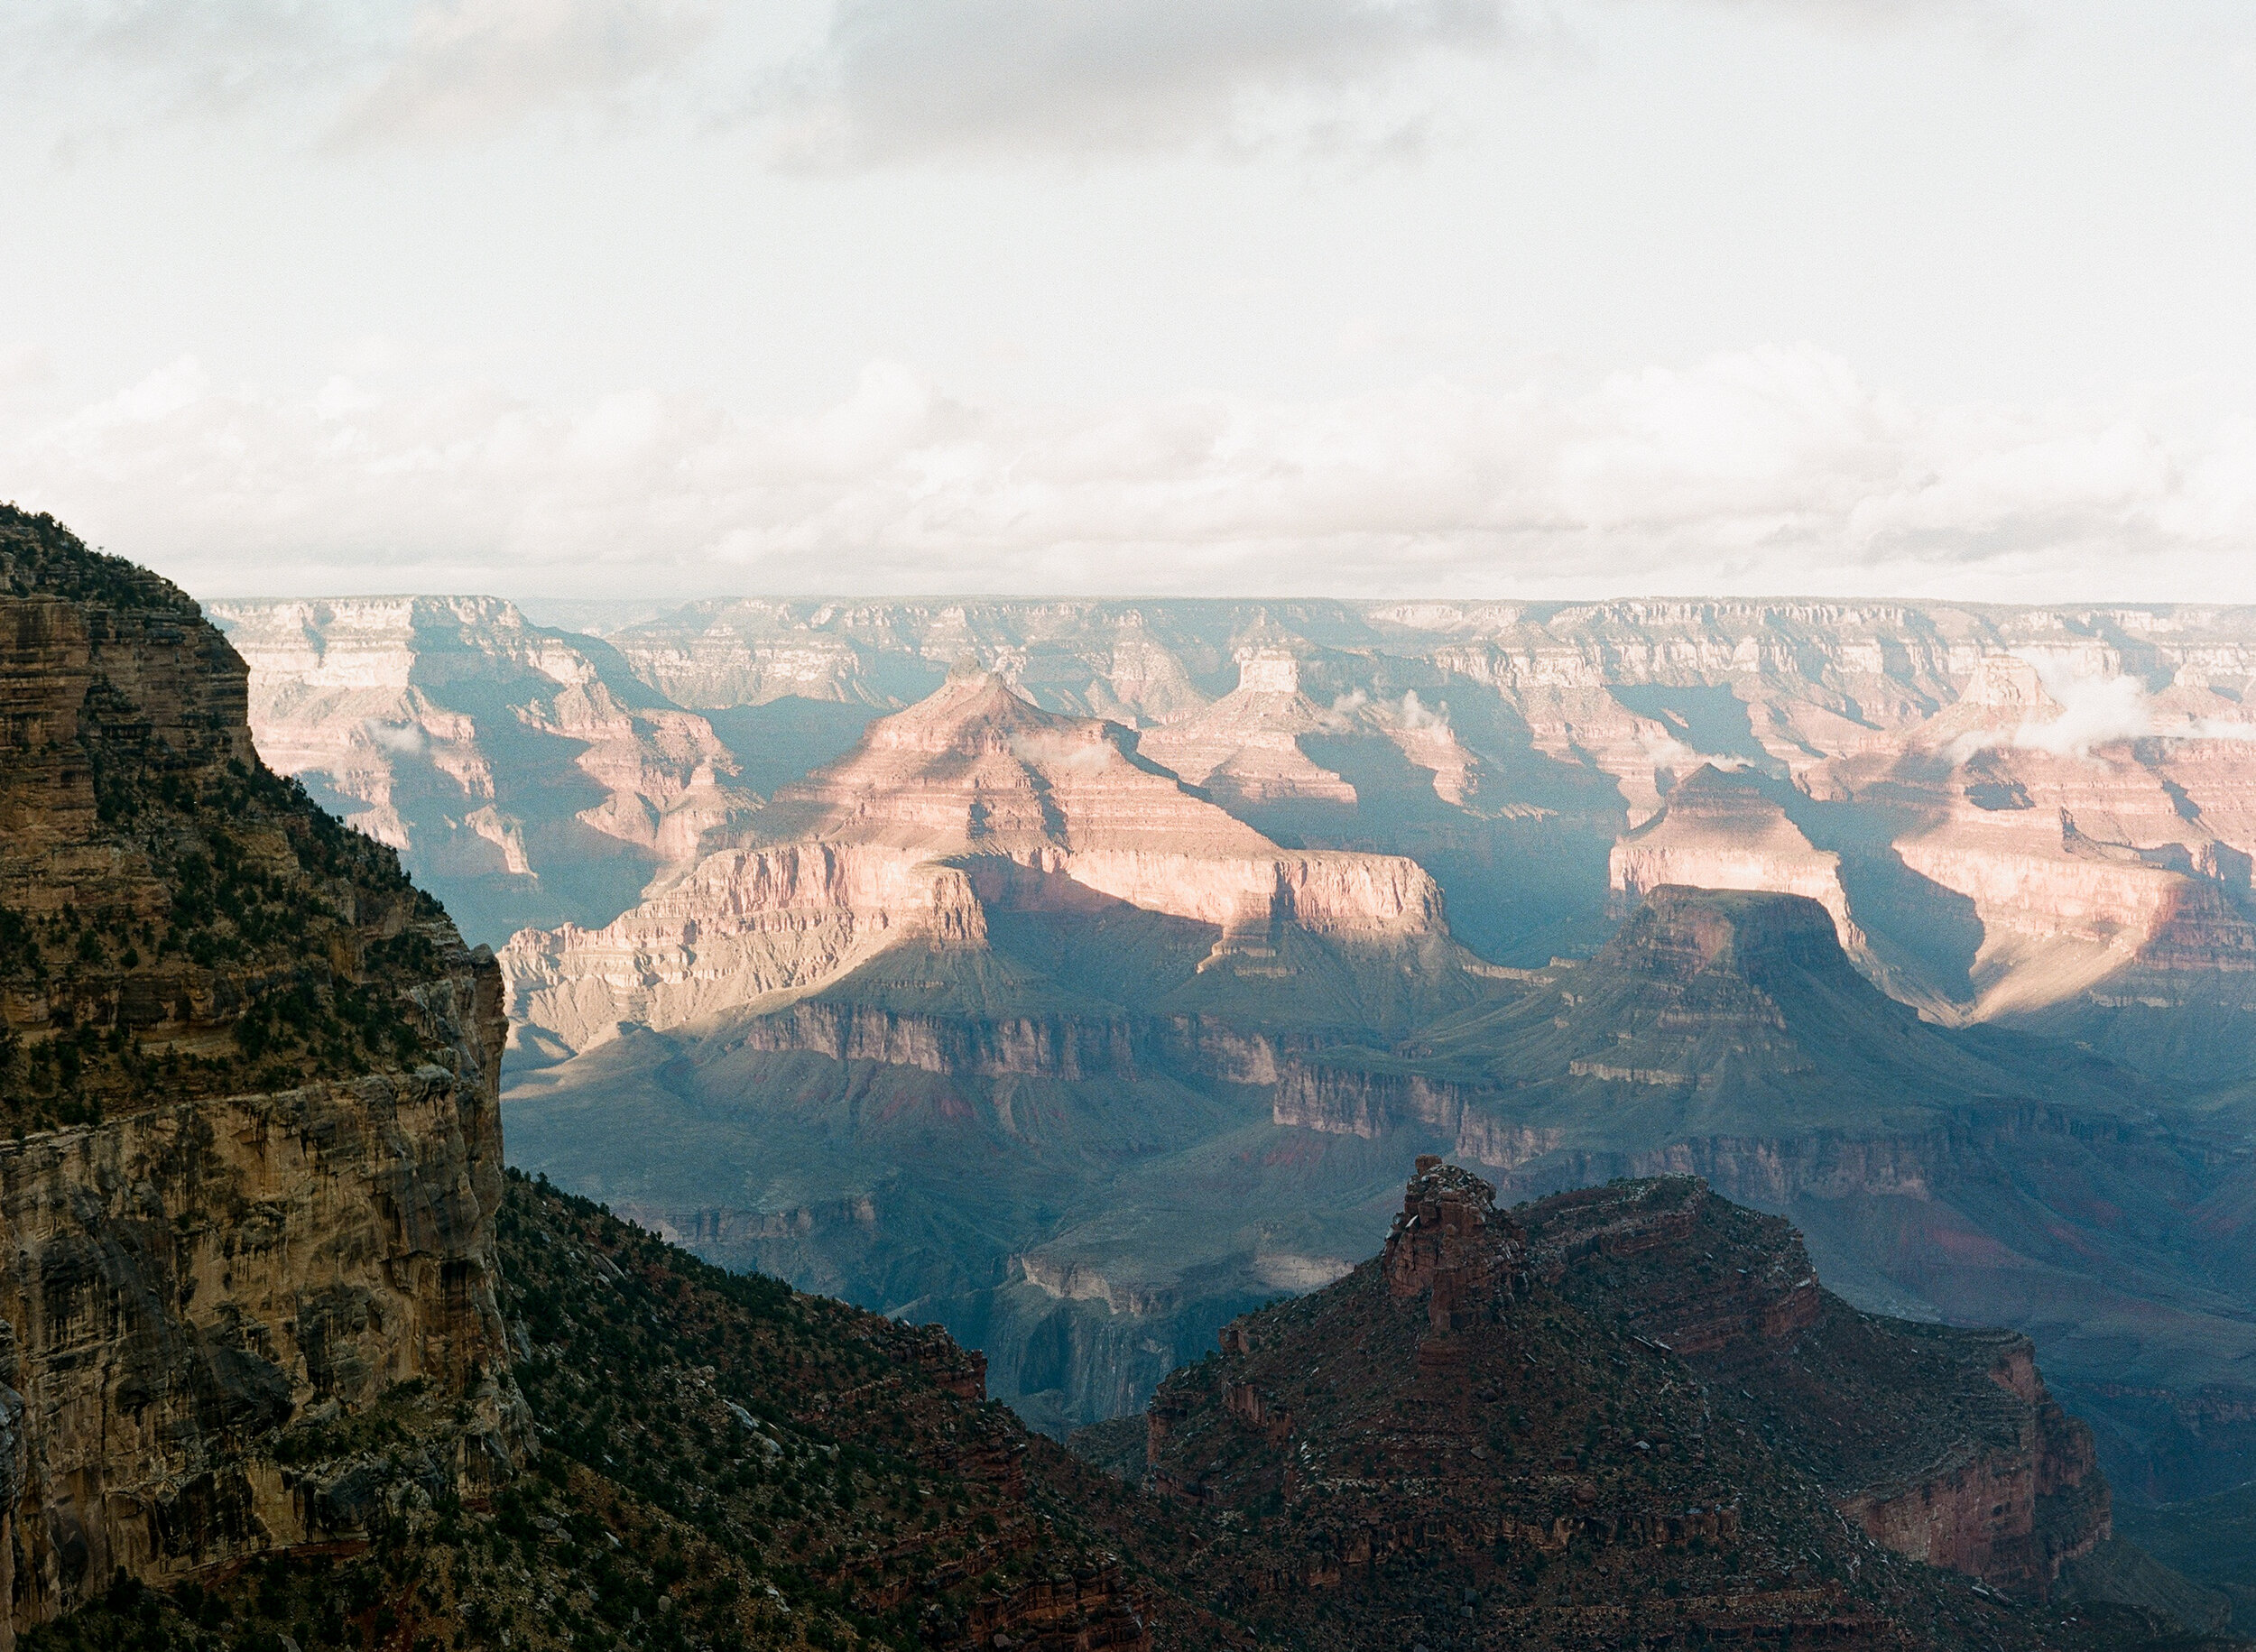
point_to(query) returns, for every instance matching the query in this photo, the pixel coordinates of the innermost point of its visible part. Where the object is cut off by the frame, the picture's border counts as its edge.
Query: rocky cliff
(1629, 1415)
(251, 1075)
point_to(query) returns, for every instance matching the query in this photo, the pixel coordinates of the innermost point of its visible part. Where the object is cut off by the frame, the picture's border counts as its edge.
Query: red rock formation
(1943, 1444)
(1450, 1245)
(1441, 1421)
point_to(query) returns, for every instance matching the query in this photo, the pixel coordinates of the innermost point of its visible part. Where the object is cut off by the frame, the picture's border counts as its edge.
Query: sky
(662, 298)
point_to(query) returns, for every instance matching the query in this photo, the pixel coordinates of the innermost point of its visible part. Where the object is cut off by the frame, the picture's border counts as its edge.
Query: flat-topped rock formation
(1724, 830)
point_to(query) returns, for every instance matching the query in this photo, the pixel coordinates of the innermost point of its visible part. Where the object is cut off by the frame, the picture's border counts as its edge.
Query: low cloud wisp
(1761, 472)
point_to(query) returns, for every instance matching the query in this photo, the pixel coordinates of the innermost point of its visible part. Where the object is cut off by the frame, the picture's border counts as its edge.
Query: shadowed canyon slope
(1629, 1415)
(1981, 1175)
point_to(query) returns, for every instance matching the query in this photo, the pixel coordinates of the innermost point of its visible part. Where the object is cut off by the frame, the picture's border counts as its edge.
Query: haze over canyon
(1081, 974)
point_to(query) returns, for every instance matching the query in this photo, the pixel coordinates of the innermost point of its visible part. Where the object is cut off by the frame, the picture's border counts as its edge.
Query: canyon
(1093, 965)
(1026, 1034)
(287, 1358)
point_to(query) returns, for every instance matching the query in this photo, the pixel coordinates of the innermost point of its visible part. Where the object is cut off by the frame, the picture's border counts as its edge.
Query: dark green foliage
(41, 556)
(228, 935)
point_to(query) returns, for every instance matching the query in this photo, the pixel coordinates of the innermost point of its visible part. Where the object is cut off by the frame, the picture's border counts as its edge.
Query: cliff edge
(250, 1076)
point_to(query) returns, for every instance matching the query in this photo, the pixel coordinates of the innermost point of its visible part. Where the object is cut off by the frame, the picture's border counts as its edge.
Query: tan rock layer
(181, 1282)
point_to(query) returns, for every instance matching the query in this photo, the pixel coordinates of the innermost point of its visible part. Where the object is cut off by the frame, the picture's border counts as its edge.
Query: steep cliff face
(252, 1076)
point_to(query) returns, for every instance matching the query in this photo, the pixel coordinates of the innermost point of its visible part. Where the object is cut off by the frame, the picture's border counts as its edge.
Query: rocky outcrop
(1641, 1384)
(1450, 1248)
(252, 1076)
(1956, 1454)
(1246, 748)
(1942, 1172)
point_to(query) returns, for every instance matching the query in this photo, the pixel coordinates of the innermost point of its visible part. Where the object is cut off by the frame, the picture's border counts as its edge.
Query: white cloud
(850, 82)
(469, 67)
(896, 79)
(1774, 470)
(1421, 718)
(2095, 705)
(377, 70)
(400, 739)
(2095, 710)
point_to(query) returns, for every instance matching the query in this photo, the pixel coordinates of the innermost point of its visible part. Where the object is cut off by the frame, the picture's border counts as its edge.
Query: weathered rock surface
(271, 1196)
(1722, 830)
(1942, 1444)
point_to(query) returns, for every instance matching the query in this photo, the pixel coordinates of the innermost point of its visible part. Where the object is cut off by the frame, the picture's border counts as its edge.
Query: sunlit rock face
(2097, 856)
(971, 803)
(1930, 749)
(526, 770)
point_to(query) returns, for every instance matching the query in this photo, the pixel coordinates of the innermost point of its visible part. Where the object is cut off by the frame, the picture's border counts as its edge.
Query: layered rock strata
(252, 1076)
(525, 770)
(1941, 1172)
(1722, 830)
(1506, 746)
(971, 804)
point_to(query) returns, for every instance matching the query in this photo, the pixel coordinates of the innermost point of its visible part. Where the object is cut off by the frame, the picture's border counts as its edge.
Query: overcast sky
(1951, 298)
